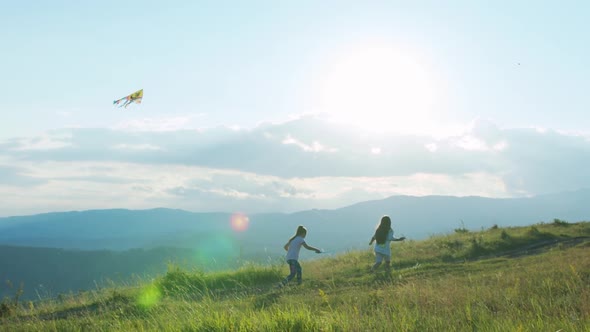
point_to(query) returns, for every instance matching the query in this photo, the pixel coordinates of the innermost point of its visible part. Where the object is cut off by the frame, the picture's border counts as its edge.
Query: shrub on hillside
(504, 235)
(476, 247)
(179, 282)
(534, 231)
(7, 309)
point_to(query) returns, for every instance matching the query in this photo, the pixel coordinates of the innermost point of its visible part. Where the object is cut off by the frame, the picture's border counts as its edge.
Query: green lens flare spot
(149, 296)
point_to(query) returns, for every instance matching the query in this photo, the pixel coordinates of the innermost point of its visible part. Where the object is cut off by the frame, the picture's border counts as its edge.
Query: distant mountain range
(338, 229)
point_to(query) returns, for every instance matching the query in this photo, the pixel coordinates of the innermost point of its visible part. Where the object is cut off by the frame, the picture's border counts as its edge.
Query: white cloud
(136, 147)
(432, 147)
(471, 143)
(92, 185)
(501, 146)
(48, 141)
(156, 124)
(255, 170)
(314, 147)
(376, 150)
(540, 130)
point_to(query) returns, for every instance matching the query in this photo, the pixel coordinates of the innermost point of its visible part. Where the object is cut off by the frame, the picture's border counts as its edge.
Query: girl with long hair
(383, 236)
(293, 247)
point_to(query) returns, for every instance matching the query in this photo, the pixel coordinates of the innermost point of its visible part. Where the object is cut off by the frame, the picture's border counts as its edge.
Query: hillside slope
(501, 279)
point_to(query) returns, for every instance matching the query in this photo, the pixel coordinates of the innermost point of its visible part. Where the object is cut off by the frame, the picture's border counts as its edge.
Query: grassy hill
(532, 278)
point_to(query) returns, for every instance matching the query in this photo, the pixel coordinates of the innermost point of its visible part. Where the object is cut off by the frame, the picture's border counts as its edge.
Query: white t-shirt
(385, 248)
(295, 247)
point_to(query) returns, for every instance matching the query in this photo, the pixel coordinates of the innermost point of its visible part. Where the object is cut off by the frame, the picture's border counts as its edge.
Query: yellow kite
(132, 98)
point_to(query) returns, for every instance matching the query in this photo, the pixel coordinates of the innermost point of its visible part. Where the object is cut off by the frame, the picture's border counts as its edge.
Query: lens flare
(149, 296)
(239, 222)
(216, 251)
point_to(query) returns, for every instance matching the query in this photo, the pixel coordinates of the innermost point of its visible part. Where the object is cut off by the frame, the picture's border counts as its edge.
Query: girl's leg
(375, 266)
(378, 260)
(298, 269)
(387, 264)
(292, 269)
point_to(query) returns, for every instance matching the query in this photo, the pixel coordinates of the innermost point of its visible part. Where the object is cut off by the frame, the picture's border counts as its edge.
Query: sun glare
(376, 87)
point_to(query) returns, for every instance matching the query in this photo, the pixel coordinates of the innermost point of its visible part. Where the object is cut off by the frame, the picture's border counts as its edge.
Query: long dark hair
(383, 230)
(300, 231)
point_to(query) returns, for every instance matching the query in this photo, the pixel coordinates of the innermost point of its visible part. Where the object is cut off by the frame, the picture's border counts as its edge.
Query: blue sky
(223, 77)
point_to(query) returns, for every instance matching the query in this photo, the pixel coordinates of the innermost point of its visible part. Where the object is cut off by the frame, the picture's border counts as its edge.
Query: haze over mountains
(339, 229)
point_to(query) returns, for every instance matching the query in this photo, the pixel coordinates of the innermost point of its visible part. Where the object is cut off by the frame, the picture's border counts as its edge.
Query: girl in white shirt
(293, 247)
(383, 236)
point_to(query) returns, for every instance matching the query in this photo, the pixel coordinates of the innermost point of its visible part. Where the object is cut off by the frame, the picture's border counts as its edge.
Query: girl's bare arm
(311, 248)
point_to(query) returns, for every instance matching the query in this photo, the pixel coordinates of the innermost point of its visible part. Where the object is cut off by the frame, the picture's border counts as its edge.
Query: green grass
(502, 279)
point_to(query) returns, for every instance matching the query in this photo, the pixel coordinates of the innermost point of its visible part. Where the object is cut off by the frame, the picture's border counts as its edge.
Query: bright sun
(377, 87)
